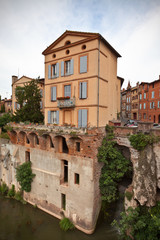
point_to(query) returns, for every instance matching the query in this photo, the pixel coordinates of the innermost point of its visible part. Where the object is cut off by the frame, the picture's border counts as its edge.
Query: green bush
(114, 168)
(129, 195)
(66, 224)
(4, 135)
(18, 196)
(3, 189)
(25, 176)
(141, 223)
(140, 141)
(11, 192)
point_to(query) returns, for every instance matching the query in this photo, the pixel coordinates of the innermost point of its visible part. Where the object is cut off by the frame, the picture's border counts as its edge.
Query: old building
(134, 102)
(149, 101)
(20, 82)
(81, 84)
(8, 105)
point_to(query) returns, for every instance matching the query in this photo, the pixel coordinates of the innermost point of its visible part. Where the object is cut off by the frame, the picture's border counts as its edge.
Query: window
(129, 99)
(152, 94)
(53, 117)
(83, 90)
(144, 115)
(83, 64)
(78, 146)
(65, 163)
(83, 47)
(27, 156)
(140, 96)
(67, 90)
(82, 118)
(63, 201)
(151, 105)
(144, 106)
(76, 177)
(53, 71)
(158, 104)
(41, 105)
(41, 92)
(67, 67)
(152, 85)
(53, 93)
(144, 95)
(140, 106)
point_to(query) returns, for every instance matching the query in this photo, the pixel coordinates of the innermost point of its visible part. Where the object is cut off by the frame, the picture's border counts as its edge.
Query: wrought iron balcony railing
(66, 103)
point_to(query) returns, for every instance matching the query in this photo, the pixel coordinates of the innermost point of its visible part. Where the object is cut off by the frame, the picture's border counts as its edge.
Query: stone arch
(61, 144)
(34, 140)
(22, 138)
(46, 142)
(13, 136)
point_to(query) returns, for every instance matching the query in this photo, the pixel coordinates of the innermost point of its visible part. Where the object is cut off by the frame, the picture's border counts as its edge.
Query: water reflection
(24, 222)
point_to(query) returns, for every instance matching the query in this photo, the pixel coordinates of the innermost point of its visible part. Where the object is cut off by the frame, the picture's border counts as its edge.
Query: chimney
(14, 79)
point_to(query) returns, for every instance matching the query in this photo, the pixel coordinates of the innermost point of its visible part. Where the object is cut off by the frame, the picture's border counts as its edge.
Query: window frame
(81, 90)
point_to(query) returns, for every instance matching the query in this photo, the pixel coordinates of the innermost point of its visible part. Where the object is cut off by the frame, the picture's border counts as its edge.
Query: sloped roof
(87, 35)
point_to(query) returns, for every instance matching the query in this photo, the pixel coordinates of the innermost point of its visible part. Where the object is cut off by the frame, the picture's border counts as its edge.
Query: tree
(4, 119)
(29, 98)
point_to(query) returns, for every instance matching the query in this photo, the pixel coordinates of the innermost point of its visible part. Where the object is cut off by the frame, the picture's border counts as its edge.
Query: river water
(24, 222)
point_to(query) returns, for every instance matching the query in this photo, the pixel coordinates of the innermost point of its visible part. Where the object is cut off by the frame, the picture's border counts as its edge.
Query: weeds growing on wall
(11, 192)
(25, 176)
(140, 141)
(66, 224)
(114, 168)
(3, 189)
(141, 223)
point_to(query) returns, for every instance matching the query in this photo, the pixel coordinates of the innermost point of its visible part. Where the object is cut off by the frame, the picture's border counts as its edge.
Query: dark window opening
(65, 171)
(83, 47)
(64, 146)
(76, 178)
(67, 51)
(27, 156)
(54, 55)
(27, 140)
(67, 42)
(63, 201)
(51, 144)
(36, 140)
(78, 146)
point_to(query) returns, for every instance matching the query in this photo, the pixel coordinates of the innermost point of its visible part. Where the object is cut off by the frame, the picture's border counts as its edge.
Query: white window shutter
(57, 117)
(53, 93)
(84, 90)
(49, 71)
(84, 117)
(57, 66)
(72, 66)
(49, 116)
(62, 68)
(80, 118)
(83, 64)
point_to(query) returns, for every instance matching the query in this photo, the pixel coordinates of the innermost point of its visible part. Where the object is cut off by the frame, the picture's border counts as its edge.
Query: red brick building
(149, 101)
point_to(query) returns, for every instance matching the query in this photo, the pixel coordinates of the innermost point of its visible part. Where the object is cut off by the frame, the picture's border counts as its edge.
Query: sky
(132, 27)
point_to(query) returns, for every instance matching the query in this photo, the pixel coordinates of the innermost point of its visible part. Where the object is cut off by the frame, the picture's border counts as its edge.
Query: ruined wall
(47, 152)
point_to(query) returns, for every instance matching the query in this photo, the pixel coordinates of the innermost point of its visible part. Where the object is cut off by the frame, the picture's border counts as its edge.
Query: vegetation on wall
(141, 223)
(114, 168)
(66, 224)
(25, 176)
(140, 141)
(28, 98)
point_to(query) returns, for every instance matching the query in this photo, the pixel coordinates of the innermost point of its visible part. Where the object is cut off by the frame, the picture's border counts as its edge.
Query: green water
(24, 222)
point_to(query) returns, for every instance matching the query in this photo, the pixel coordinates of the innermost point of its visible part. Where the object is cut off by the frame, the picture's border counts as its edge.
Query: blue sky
(132, 27)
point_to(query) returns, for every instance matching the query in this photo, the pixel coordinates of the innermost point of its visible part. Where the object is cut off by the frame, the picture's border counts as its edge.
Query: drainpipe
(98, 82)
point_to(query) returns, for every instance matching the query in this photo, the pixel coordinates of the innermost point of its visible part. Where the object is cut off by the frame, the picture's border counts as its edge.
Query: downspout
(98, 82)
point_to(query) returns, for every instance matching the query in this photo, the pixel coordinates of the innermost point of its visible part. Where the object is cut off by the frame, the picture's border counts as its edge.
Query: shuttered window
(82, 118)
(53, 93)
(83, 64)
(53, 71)
(67, 91)
(83, 90)
(53, 117)
(67, 67)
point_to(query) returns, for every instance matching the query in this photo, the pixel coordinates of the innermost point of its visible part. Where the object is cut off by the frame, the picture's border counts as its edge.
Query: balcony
(66, 102)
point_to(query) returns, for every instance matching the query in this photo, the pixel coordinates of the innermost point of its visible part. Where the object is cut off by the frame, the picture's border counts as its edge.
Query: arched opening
(47, 142)
(64, 146)
(61, 145)
(21, 138)
(13, 136)
(34, 140)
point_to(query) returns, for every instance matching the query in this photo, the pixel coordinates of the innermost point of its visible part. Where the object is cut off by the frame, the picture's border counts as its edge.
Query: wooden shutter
(53, 94)
(84, 90)
(80, 90)
(80, 118)
(57, 117)
(57, 67)
(62, 68)
(67, 91)
(72, 66)
(49, 116)
(84, 117)
(49, 71)
(83, 64)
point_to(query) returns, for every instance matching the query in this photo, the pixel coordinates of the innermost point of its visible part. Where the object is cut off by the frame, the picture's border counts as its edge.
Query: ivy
(140, 141)
(66, 224)
(141, 223)
(25, 176)
(114, 168)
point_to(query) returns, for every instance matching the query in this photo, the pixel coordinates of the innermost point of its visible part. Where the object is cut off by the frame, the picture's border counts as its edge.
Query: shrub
(11, 192)
(25, 176)
(18, 196)
(66, 224)
(129, 195)
(140, 141)
(4, 189)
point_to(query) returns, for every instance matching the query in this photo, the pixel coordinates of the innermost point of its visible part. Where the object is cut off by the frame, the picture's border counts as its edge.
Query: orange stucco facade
(20, 82)
(81, 84)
